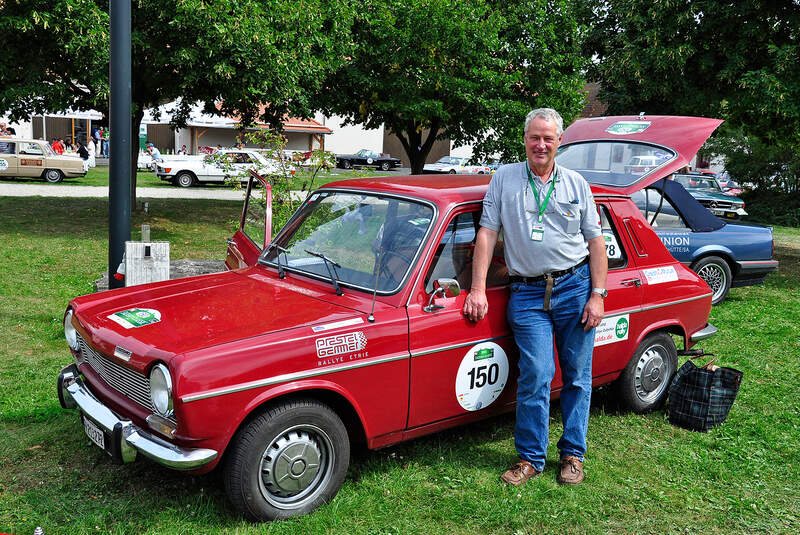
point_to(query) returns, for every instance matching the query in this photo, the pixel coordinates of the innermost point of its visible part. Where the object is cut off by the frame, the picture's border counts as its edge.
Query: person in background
(105, 143)
(6, 131)
(154, 153)
(58, 147)
(92, 150)
(96, 135)
(183, 150)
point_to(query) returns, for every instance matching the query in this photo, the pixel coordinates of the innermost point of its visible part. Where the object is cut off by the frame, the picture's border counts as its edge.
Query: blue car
(724, 253)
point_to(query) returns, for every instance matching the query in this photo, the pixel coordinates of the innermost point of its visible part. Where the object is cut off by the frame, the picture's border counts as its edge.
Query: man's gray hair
(548, 114)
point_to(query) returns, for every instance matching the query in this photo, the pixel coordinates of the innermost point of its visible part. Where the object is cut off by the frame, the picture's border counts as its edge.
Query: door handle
(635, 282)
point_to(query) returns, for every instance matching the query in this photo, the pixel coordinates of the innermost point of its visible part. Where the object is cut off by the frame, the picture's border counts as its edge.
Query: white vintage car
(218, 167)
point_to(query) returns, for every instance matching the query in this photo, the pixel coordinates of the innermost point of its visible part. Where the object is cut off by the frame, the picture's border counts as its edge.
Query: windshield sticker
(611, 330)
(136, 317)
(336, 325)
(612, 247)
(660, 275)
(420, 221)
(624, 128)
(341, 348)
(481, 377)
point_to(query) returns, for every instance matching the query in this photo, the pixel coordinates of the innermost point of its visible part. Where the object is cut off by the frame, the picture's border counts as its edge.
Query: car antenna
(371, 317)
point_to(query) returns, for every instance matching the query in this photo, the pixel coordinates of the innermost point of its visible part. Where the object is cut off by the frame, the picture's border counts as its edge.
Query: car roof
(684, 135)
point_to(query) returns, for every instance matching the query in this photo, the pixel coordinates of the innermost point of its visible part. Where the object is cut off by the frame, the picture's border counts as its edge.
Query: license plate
(94, 433)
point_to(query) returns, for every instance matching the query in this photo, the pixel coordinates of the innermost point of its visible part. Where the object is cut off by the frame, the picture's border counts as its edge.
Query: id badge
(537, 232)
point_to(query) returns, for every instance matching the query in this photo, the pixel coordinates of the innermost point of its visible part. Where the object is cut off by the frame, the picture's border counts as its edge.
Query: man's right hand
(476, 306)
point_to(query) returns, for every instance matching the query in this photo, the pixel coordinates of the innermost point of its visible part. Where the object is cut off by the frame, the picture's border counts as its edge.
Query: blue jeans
(534, 332)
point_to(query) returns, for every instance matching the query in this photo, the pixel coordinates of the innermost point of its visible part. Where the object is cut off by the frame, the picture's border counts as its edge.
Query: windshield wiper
(331, 265)
(273, 245)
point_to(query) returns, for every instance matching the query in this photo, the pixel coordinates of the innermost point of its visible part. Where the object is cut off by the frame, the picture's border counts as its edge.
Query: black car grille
(719, 205)
(127, 382)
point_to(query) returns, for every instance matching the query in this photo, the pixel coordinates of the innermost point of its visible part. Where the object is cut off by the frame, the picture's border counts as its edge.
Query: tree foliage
(739, 61)
(467, 70)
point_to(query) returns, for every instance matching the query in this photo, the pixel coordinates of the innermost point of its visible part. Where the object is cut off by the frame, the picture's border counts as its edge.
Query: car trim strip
(456, 346)
(288, 377)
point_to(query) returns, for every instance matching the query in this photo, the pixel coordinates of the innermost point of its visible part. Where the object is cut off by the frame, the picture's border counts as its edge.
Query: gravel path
(37, 190)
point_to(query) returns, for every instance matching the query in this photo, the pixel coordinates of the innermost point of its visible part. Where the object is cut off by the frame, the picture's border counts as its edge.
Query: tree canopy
(467, 70)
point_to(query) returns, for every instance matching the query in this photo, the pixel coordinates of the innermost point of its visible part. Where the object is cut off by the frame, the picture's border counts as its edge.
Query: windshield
(367, 235)
(697, 182)
(614, 163)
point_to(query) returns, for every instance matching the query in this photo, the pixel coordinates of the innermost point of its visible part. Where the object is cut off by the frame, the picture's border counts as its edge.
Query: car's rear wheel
(347, 164)
(184, 180)
(644, 381)
(452, 171)
(287, 461)
(53, 175)
(717, 274)
(385, 166)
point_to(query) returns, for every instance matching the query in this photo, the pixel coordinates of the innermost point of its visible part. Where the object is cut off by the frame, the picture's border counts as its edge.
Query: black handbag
(701, 397)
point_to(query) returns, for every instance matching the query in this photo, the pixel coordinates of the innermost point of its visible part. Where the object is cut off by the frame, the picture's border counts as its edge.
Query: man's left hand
(593, 312)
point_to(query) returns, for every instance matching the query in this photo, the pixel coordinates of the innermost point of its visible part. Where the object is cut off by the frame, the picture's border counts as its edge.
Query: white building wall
(23, 129)
(464, 151)
(351, 138)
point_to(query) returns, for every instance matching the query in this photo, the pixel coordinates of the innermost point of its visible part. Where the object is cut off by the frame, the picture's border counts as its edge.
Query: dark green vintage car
(708, 193)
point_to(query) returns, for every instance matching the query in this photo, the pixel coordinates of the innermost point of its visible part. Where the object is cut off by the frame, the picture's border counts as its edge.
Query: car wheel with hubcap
(644, 382)
(287, 461)
(452, 171)
(53, 176)
(184, 180)
(385, 166)
(347, 164)
(717, 274)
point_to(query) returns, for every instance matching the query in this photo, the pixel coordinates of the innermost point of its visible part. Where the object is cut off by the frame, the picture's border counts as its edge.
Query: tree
(233, 55)
(467, 70)
(739, 61)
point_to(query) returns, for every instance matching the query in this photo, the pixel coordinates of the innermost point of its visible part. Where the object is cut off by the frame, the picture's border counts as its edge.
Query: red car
(347, 327)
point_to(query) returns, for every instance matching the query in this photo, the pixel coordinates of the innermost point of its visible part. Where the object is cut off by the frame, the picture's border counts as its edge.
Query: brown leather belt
(552, 274)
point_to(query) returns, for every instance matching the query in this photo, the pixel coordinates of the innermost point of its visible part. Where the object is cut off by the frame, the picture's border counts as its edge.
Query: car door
(31, 159)
(8, 158)
(459, 367)
(255, 225)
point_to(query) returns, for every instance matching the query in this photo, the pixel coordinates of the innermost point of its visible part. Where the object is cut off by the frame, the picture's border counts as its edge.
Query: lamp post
(119, 187)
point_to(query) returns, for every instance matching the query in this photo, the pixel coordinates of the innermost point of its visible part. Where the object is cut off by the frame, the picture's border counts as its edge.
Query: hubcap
(651, 373)
(715, 278)
(295, 466)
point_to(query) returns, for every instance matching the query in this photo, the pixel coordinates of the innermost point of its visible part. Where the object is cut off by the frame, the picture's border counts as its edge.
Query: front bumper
(124, 439)
(706, 332)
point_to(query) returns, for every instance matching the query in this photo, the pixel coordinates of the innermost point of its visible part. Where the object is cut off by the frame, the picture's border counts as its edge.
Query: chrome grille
(720, 205)
(125, 381)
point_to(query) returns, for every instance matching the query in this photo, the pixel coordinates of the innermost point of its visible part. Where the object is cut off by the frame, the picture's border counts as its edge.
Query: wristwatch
(601, 291)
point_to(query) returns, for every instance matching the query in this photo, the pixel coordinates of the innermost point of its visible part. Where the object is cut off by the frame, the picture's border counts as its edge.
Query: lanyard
(542, 207)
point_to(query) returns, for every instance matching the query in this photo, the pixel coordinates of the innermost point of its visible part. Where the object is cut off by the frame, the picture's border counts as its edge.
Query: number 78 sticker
(481, 376)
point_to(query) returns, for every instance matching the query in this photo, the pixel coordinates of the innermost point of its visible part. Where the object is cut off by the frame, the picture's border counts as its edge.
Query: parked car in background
(446, 164)
(218, 167)
(476, 169)
(723, 253)
(35, 158)
(367, 158)
(709, 193)
(347, 327)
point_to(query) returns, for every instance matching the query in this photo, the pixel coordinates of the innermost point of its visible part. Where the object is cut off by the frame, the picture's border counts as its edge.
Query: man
(557, 264)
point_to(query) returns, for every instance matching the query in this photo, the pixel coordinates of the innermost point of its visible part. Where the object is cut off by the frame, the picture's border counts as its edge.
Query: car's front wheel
(347, 164)
(717, 274)
(184, 180)
(644, 382)
(53, 176)
(287, 461)
(385, 166)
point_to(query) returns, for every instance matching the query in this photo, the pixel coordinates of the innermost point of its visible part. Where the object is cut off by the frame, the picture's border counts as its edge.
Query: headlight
(69, 331)
(161, 390)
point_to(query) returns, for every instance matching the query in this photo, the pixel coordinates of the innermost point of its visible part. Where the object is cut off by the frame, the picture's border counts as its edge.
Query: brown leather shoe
(571, 471)
(519, 473)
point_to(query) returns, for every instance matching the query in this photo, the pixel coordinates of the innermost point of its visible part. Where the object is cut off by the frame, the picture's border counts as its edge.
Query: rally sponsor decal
(612, 247)
(481, 377)
(3, 164)
(611, 330)
(341, 348)
(136, 317)
(660, 275)
(676, 243)
(623, 128)
(336, 325)
(28, 161)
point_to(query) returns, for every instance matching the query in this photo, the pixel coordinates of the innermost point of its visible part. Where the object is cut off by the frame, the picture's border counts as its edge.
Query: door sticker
(481, 377)
(136, 317)
(660, 275)
(628, 127)
(612, 247)
(3, 164)
(611, 330)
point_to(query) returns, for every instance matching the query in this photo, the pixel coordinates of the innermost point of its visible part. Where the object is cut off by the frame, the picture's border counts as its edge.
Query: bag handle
(710, 364)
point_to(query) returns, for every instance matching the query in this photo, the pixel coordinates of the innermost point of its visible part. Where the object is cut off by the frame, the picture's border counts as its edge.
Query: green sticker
(628, 127)
(136, 317)
(485, 353)
(622, 328)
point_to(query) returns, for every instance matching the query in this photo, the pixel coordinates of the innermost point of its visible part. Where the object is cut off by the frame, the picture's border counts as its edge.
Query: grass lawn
(643, 475)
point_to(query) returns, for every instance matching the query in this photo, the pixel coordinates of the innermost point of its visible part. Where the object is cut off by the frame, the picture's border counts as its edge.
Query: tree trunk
(417, 149)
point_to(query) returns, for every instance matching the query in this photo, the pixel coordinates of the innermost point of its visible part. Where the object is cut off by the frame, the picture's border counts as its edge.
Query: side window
(651, 201)
(614, 249)
(31, 148)
(453, 257)
(6, 147)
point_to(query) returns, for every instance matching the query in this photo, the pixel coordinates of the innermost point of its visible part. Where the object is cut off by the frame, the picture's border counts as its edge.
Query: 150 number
(480, 376)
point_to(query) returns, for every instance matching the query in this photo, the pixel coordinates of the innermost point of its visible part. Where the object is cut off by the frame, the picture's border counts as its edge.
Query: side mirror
(443, 288)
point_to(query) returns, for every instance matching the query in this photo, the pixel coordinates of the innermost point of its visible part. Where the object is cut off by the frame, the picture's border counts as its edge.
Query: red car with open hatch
(347, 327)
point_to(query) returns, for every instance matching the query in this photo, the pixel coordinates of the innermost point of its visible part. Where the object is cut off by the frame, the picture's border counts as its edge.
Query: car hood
(712, 194)
(683, 135)
(204, 311)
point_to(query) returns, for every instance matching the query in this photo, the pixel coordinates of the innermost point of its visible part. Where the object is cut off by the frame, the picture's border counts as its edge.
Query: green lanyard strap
(542, 207)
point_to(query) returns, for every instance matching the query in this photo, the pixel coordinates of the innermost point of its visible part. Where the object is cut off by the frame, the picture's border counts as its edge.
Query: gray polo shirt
(570, 219)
